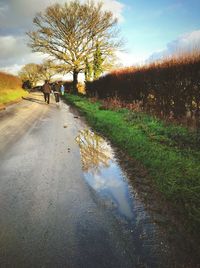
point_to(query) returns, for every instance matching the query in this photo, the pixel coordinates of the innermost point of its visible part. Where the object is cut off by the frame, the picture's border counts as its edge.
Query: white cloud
(14, 53)
(22, 12)
(13, 69)
(11, 46)
(128, 59)
(115, 7)
(184, 43)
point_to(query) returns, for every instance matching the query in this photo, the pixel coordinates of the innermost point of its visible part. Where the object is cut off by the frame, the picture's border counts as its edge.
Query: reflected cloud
(113, 188)
(103, 173)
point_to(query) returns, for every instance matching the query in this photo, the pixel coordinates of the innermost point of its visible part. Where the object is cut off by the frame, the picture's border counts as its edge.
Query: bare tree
(30, 72)
(48, 69)
(71, 31)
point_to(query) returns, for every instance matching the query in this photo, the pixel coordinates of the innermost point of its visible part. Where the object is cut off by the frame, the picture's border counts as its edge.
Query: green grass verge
(170, 153)
(7, 95)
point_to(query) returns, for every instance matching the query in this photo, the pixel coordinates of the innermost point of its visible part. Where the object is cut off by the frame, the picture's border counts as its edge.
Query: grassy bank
(170, 153)
(10, 88)
(9, 95)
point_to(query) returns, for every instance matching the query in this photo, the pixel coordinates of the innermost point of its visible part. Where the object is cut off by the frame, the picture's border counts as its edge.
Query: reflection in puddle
(105, 176)
(102, 172)
(95, 153)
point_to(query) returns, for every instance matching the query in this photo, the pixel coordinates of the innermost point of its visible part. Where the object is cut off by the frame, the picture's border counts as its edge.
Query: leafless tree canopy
(30, 72)
(35, 73)
(48, 69)
(71, 31)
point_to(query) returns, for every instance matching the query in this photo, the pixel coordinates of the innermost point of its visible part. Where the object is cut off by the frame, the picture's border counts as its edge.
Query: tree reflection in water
(95, 153)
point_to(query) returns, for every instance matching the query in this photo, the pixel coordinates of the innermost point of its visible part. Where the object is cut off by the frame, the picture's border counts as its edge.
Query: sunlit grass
(10, 88)
(7, 96)
(170, 153)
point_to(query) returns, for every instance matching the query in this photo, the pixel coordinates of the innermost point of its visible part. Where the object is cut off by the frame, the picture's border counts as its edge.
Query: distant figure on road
(46, 90)
(56, 91)
(62, 89)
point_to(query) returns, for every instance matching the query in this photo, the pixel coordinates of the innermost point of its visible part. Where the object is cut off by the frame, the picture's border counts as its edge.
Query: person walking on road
(56, 90)
(46, 90)
(62, 89)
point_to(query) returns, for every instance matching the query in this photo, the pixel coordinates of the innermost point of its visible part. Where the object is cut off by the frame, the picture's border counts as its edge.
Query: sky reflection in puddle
(103, 173)
(105, 176)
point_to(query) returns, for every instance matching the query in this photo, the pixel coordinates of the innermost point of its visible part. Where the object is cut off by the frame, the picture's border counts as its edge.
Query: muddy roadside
(185, 246)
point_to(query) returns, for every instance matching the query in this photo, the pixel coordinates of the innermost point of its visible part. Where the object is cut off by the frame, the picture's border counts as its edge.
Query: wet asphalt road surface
(55, 208)
(49, 215)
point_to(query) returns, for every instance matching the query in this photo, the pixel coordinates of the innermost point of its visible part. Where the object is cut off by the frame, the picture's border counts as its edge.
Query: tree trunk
(75, 81)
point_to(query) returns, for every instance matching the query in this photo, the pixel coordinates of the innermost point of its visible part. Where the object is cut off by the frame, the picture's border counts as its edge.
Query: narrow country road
(64, 201)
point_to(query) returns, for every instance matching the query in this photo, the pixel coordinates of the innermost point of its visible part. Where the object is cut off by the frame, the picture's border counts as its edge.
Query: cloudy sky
(151, 29)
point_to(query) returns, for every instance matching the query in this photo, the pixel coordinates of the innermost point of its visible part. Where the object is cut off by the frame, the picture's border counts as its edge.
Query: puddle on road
(103, 173)
(105, 176)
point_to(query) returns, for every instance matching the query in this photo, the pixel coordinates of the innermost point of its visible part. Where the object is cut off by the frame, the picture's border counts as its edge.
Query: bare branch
(70, 32)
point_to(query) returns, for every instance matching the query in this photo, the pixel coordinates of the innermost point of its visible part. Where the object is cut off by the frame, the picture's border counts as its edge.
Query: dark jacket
(57, 88)
(46, 88)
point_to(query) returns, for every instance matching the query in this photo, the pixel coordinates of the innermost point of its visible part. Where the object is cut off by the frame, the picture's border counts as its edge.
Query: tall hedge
(170, 86)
